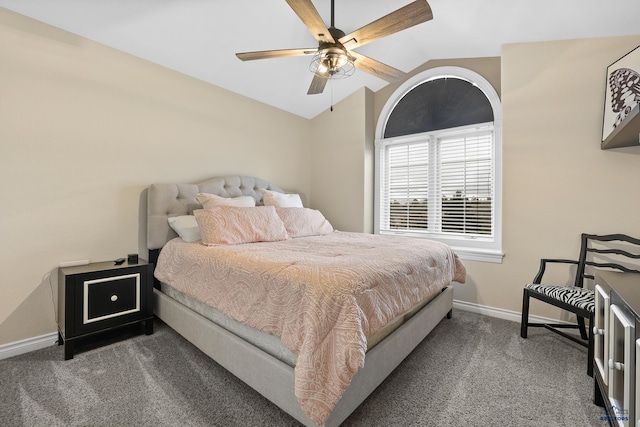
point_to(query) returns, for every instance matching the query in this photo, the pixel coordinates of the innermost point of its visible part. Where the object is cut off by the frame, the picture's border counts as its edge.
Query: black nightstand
(102, 296)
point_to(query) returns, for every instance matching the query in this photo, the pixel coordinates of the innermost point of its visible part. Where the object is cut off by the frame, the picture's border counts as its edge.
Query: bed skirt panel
(275, 380)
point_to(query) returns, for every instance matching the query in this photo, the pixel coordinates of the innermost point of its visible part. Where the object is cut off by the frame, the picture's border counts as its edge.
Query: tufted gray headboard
(166, 200)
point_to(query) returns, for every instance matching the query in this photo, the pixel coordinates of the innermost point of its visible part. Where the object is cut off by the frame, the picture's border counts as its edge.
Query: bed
(367, 336)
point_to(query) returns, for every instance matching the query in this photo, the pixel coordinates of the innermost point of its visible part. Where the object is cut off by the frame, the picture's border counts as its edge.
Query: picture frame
(622, 92)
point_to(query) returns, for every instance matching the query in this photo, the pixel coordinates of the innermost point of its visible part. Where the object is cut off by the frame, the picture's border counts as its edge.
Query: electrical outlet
(73, 263)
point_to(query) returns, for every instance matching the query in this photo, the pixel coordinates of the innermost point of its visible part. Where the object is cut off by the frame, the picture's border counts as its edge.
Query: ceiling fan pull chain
(331, 84)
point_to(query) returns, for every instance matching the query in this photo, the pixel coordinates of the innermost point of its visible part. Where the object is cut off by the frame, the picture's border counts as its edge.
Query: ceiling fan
(334, 57)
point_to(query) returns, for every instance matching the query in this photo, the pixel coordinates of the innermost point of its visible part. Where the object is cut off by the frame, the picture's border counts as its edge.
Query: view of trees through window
(460, 214)
(441, 182)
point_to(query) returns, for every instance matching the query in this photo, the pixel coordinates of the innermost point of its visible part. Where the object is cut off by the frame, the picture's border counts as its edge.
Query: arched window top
(441, 103)
(477, 86)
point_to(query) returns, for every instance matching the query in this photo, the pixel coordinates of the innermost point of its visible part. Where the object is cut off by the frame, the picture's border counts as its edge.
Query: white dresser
(617, 347)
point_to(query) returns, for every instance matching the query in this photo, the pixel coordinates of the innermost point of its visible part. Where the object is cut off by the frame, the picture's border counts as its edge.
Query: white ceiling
(200, 37)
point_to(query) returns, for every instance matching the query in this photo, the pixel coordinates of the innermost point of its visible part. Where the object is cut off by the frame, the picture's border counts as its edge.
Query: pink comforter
(321, 295)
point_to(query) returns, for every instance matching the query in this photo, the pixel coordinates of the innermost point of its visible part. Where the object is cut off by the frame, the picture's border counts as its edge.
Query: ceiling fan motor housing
(332, 59)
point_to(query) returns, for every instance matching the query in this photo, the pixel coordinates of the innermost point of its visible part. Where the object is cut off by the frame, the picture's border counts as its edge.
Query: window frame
(487, 250)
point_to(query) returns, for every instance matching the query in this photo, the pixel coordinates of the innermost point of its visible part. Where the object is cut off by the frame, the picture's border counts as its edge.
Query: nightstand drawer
(110, 297)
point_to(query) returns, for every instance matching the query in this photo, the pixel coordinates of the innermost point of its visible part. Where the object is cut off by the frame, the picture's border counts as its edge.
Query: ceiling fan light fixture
(332, 63)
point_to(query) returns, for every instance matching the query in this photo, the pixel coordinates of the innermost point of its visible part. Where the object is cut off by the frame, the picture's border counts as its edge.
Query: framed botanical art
(622, 91)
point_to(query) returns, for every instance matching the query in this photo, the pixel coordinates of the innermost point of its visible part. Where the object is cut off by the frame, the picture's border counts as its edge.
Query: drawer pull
(597, 331)
(114, 298)
(616, 365)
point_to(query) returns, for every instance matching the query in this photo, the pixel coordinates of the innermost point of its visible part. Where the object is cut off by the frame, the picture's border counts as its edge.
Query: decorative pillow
(281, 200)
(186, 226)
(209, 201)
(301, 222)
(231, 225)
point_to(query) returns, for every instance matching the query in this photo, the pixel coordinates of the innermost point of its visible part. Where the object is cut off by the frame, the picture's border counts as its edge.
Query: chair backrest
(611, 251)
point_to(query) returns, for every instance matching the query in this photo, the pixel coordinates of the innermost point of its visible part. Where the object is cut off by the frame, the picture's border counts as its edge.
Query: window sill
(482, 255)
(467, 252)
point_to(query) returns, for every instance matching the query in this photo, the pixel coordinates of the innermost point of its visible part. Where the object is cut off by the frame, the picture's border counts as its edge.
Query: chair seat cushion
(572, 295)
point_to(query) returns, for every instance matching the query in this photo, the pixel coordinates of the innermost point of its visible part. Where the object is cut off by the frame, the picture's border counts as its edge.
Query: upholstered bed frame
(261, 371)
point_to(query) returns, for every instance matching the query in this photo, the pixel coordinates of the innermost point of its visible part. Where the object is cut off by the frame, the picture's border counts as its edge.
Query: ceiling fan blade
(412, 14)
(317, 84)
(377, 68)
(266, 54)
(308, 14)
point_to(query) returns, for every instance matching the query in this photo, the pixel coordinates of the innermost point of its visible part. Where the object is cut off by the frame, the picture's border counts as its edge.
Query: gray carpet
(472, 370)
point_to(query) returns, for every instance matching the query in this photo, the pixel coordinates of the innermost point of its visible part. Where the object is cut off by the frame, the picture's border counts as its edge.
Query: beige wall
(342, 165)
(84, 129)
(557, 182)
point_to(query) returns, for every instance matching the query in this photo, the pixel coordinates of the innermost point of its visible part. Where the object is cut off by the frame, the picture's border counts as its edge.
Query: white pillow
(186, 226)
(209, 201)
(301, 222)
(281, 200)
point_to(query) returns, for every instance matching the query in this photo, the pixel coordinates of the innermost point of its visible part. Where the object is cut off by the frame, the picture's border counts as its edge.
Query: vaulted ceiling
(200, 37)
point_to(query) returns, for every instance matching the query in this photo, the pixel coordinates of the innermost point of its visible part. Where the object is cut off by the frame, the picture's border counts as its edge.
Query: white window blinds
(438, 183)
(408, 184)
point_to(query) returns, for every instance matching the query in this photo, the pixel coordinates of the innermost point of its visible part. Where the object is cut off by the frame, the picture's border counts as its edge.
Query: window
(438, 173)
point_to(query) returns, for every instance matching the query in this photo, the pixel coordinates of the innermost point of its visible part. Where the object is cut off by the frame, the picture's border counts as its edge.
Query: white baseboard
(36, 343)
(27, 345)
(514, 316)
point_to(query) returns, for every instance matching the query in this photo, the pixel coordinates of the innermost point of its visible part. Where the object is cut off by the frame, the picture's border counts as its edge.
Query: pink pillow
(301, 222)
(231, 225)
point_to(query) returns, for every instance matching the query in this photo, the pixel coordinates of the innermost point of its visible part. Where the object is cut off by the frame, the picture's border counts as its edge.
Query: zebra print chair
(612, 251)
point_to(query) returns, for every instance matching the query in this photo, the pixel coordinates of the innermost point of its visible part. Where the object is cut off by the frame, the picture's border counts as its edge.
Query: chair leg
(524, 323)
(583, 331)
